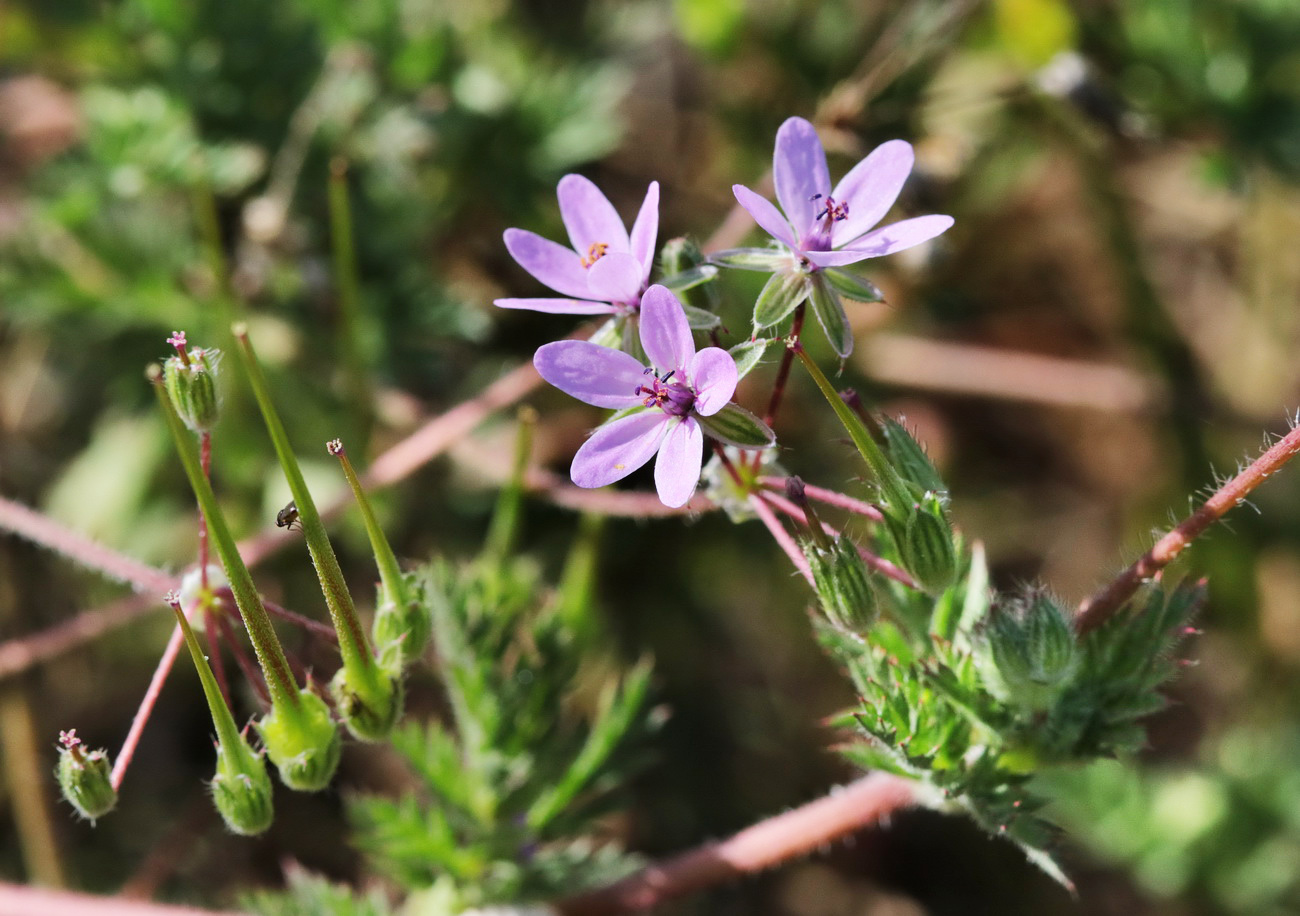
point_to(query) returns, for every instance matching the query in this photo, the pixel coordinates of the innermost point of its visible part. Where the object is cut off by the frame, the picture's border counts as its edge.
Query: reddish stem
(781, 536)
(252, 673)
(783, 373)
(878, 563)
(773, 841)
(40, 901)
(323, 630)
(1095, 610)
(214, 652)
(731, 469)
(146, 708)
(829, 497)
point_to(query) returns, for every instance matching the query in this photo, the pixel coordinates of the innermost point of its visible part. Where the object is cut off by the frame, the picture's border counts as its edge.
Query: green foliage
(538, 742)
(311, 895)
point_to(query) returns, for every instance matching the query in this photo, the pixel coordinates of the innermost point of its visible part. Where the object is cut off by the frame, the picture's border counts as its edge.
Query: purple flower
(606, 270)
(829, 228)
(679, 386)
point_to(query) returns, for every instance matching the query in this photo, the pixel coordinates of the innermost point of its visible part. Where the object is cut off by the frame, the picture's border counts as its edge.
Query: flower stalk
(366, 693)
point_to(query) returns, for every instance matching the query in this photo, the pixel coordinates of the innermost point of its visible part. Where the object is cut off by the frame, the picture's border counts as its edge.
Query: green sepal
(830, 314)
(609, 334)
(781, 295)
(690, 278)
(370, 699)
(241, 790)
(767, 260)
(84, 779)
(749, 354)
(700, 319)
(302, 741)
(849, 284)
(925, 544)
(843, 584)
(192, 386)
(910, 459)
(734, 425)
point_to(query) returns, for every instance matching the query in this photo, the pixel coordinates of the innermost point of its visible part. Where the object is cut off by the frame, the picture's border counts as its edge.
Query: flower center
(674, 398)
(832, 211)
(595, 252)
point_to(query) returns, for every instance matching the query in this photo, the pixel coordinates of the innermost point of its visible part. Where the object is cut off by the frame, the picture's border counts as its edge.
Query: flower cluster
(664, 407)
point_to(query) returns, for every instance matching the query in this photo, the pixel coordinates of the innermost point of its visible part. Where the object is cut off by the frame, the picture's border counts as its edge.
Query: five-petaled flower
(607, 269)
(829, 228)
(679, 385)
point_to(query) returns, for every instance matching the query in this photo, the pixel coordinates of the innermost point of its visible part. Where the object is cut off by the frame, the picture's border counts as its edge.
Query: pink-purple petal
(557, 306)
(799, 173)
(665, 333)
(617, 449)
(766, 215)
(615, 278)
(677, 469)
(550, 263)
(645, 231)
(713, 377)
(591, 373)
(901, 235)
(870, 189)
(588, 216)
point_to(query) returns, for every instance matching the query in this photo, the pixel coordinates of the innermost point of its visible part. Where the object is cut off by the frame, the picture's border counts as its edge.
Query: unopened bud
(679, 255)
(843, 584)
(405, 626)
(909, 458)
(371, 703)
(241, 790)
(191, 381)
(85, 777)
(302, 741)
(1029, 652)
(925, 545)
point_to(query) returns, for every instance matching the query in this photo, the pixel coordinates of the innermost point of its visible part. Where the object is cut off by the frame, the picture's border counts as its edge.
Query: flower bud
(85, 777)
(406, 626)
(909, 458)
(925, 545)
(843, 584)
(371, 703)
(679, 255)
(190, 378)
(241, 790)
(1029, 652)
(302, 741)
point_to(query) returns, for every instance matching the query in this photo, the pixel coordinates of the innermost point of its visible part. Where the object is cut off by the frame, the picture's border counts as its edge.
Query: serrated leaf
(828, 308)
(749, 354)
(847, 283)
(767, 260)
(689, 279)
(781, 295)
(734, 425)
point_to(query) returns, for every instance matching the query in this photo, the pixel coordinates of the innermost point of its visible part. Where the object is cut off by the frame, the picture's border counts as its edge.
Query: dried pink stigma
(673, 398)
(334, 447)
(172, 598)
(69, 739)
(594, 253)
(177, 340)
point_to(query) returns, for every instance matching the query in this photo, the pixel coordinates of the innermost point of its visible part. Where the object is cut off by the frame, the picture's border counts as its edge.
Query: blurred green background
(1111, 324)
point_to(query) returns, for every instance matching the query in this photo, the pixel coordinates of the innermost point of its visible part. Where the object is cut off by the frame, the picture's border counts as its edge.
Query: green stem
(227, 731)
(270, 655)
(505, 520)
(578, 579)
(390, 574)
(209, 229)
(353, 645)
(893, 489)
(343, 249)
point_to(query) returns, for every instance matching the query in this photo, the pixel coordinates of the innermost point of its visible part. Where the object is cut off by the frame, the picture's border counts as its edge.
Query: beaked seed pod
(241, 790)
(303, 742)
(191, 383)
(843, 584)
(85, 777)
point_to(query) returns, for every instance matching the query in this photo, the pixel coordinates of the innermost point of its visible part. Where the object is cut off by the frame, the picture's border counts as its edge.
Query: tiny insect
(288, 516)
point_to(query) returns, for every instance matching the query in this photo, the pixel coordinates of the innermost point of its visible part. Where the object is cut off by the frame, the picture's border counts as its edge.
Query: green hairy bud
(405, 626)
(1029, 652)
(843, 584)
(679, 255)
(909, 458)
(369, 702)
(84, 777)
(925, 545)
(302, 741)
(241, 790)
(190, 378)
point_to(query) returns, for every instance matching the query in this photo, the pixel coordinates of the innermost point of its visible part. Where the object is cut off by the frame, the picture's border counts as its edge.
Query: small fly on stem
(288, 516)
